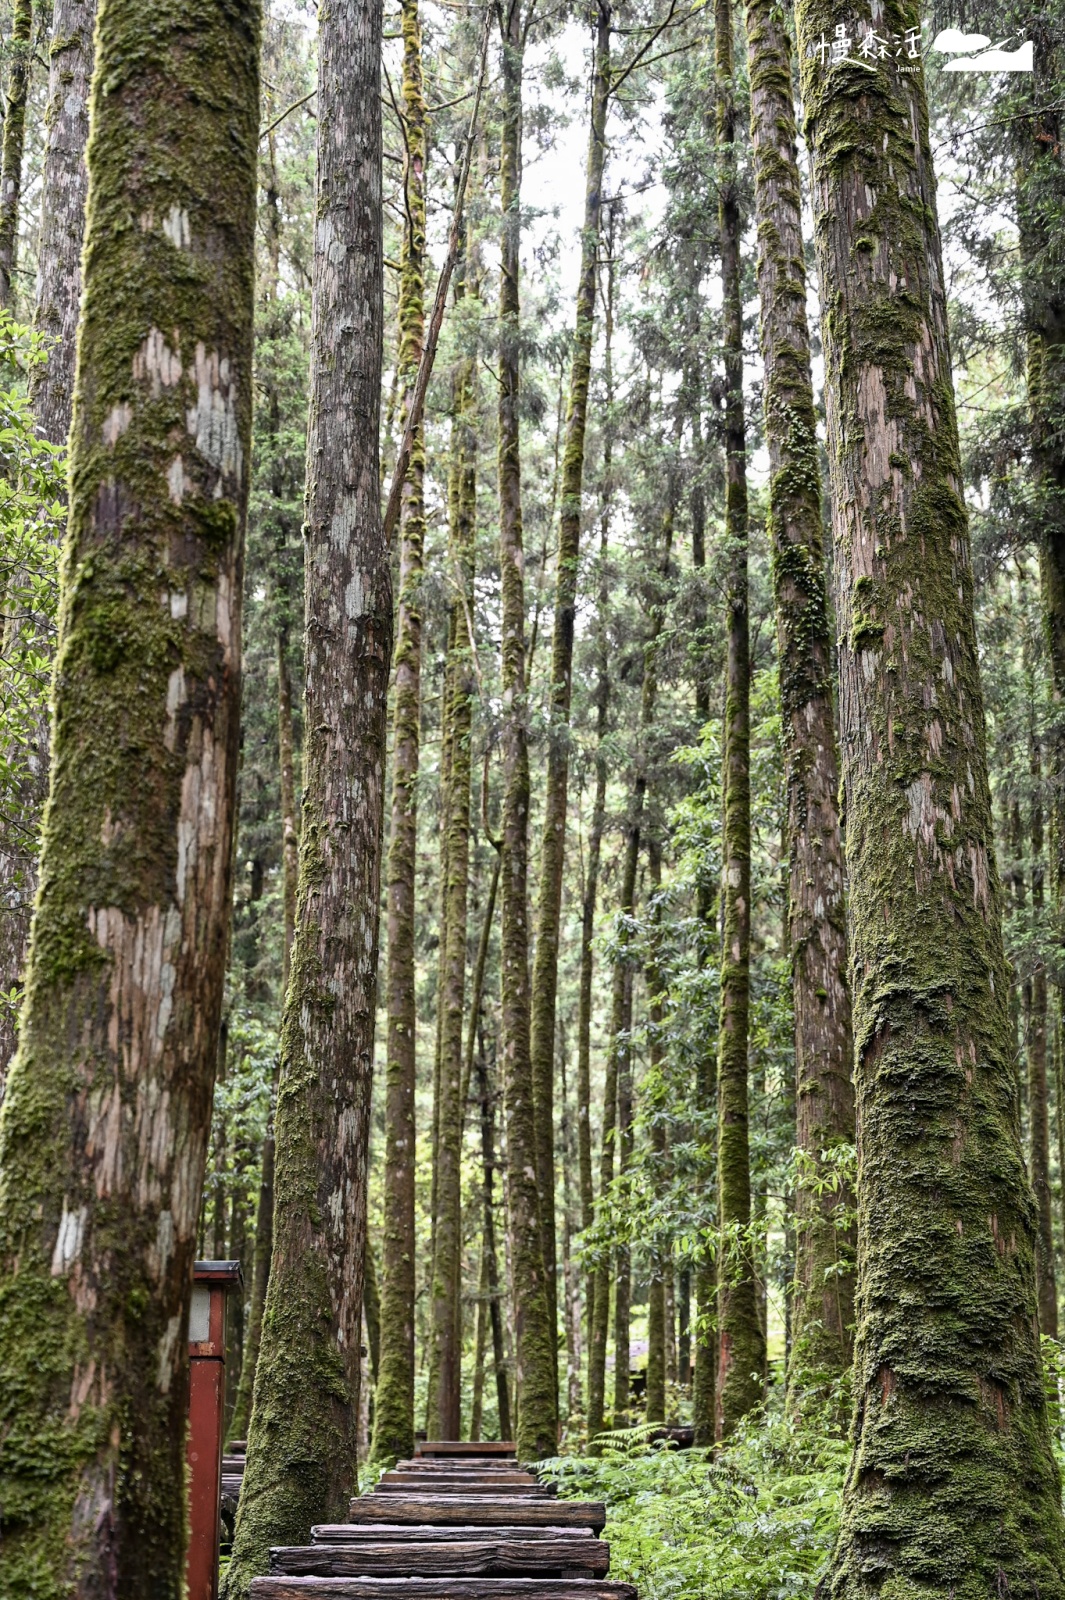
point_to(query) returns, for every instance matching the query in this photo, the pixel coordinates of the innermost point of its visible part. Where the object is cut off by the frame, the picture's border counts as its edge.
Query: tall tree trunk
(822, 1304)
(393, 1436)
(684, 1326)
(534, 1331)
(489, 1245)
(553, 848)
(595, 832)
(1038, 1092)
(741, 1342)
(64, 183)
(15, 95)
(950, 1413)
(104, 1132)
(656, 1308)
(571, 1294)
(622, 1254)
(454, 1082)
(290, 836)
(302, 1443)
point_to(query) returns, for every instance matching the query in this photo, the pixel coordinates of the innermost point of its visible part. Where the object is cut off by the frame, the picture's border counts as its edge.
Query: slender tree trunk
(656, 1308)
(264, 1240)
(950, 1413)
(741, 1341)
(595, 833)
(302, 1445)
(571, 1295)
(290, 837)
(622, 1254)
(480, 1347)
(553, 849)
(371, 1310)
(394, 1407)
(64, 182)
(489, 1245)
(454, 1082)
(823, 1298)
(18, 84)
(1038, 1092)
(534, 1331)
(104, 1132)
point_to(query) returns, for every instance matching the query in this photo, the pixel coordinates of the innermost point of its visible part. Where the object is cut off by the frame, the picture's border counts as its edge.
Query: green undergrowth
(756, 1520)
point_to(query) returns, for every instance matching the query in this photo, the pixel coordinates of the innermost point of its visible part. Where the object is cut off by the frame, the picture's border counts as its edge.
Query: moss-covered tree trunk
(445, 1416)
(952, 1486)
(302, 1440)
(822, 1305)
(393, 1434)
(553, 847)
(741, 1341)
(625, 1144)
(534, 1331)
(595, 830)
(493, 1287)
(13, 144)
(656, 1294)
(1038, 1090)
(104, 1130)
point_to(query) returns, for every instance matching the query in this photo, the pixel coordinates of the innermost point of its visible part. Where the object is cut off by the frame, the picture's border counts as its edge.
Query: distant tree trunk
(104, 1132)
(393, 1436)
(656, 1307)
(290, 836)
(571, 1295)
(1038, 1093)
(597, 1342)
(534, 1332)
(489, 1245)
(18, 83)
(371, 1310)
(264, 1239)
(302, 1445)
(595, 832)
(454, 1083)
(950, 1412)
(553, 849)
(822, 1304)
(480, 1346)
(741, 1341)
(64, 183)
(684, 1335)
(622, 1253)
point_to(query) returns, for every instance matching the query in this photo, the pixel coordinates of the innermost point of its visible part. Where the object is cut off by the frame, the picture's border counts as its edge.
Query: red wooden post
(207, 1392)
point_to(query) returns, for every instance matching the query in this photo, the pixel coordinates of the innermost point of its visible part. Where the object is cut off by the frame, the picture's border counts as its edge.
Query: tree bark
(302, 1443)
(393, 1436)
(104, 1132)
(18, 84)
(822, 1304)
(534, 1333)
(489, 1245)
(622, 1253)
(656, 1305)
(741, 1341)
(1038, 1092)
(950, 1413)
(553, 848)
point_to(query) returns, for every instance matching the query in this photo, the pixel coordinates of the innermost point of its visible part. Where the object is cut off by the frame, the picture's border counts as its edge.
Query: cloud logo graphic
(952, 40)
(997, 60)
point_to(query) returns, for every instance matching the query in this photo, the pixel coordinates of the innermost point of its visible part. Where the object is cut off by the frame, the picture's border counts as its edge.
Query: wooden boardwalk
(459, 1522)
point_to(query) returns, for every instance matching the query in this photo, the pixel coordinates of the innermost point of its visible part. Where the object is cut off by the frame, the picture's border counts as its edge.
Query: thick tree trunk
(950, 1416)
(393, 1436)
(290, 835)
(105, 1126)
(534, 1332)
(553, 848)
(822, 1304)
(303, 1438)
(15, 95)
(1038, 1092)
(741, 1341)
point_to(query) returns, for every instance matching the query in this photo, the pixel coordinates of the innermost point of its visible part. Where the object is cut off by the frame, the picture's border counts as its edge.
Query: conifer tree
(952, 1486)
(302, 1440)
(104, 1129)
(14, 139)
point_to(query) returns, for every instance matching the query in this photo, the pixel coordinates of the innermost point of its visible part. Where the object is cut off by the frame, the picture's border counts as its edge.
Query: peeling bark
(104, 1131)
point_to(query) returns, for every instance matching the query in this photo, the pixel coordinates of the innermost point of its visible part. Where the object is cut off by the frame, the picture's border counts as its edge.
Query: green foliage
(754, 1522)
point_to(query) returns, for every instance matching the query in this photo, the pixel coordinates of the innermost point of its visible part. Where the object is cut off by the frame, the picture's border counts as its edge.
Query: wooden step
(480, 1558)
(465, 1447)
(505, 1471)
(382, 1532)
(295, 1588)
(444, 1483)
(376, 1533)
(483, 1511)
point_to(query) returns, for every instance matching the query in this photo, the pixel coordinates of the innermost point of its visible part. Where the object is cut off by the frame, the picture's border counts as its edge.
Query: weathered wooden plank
(482, 1558)
(377, 1533)
(465, 1447)
(466, 1471)
(293, 1588)
(443, 1483)
(478, 1510)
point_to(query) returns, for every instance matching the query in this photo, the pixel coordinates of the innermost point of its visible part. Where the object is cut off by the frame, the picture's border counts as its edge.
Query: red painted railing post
(211, 1280)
